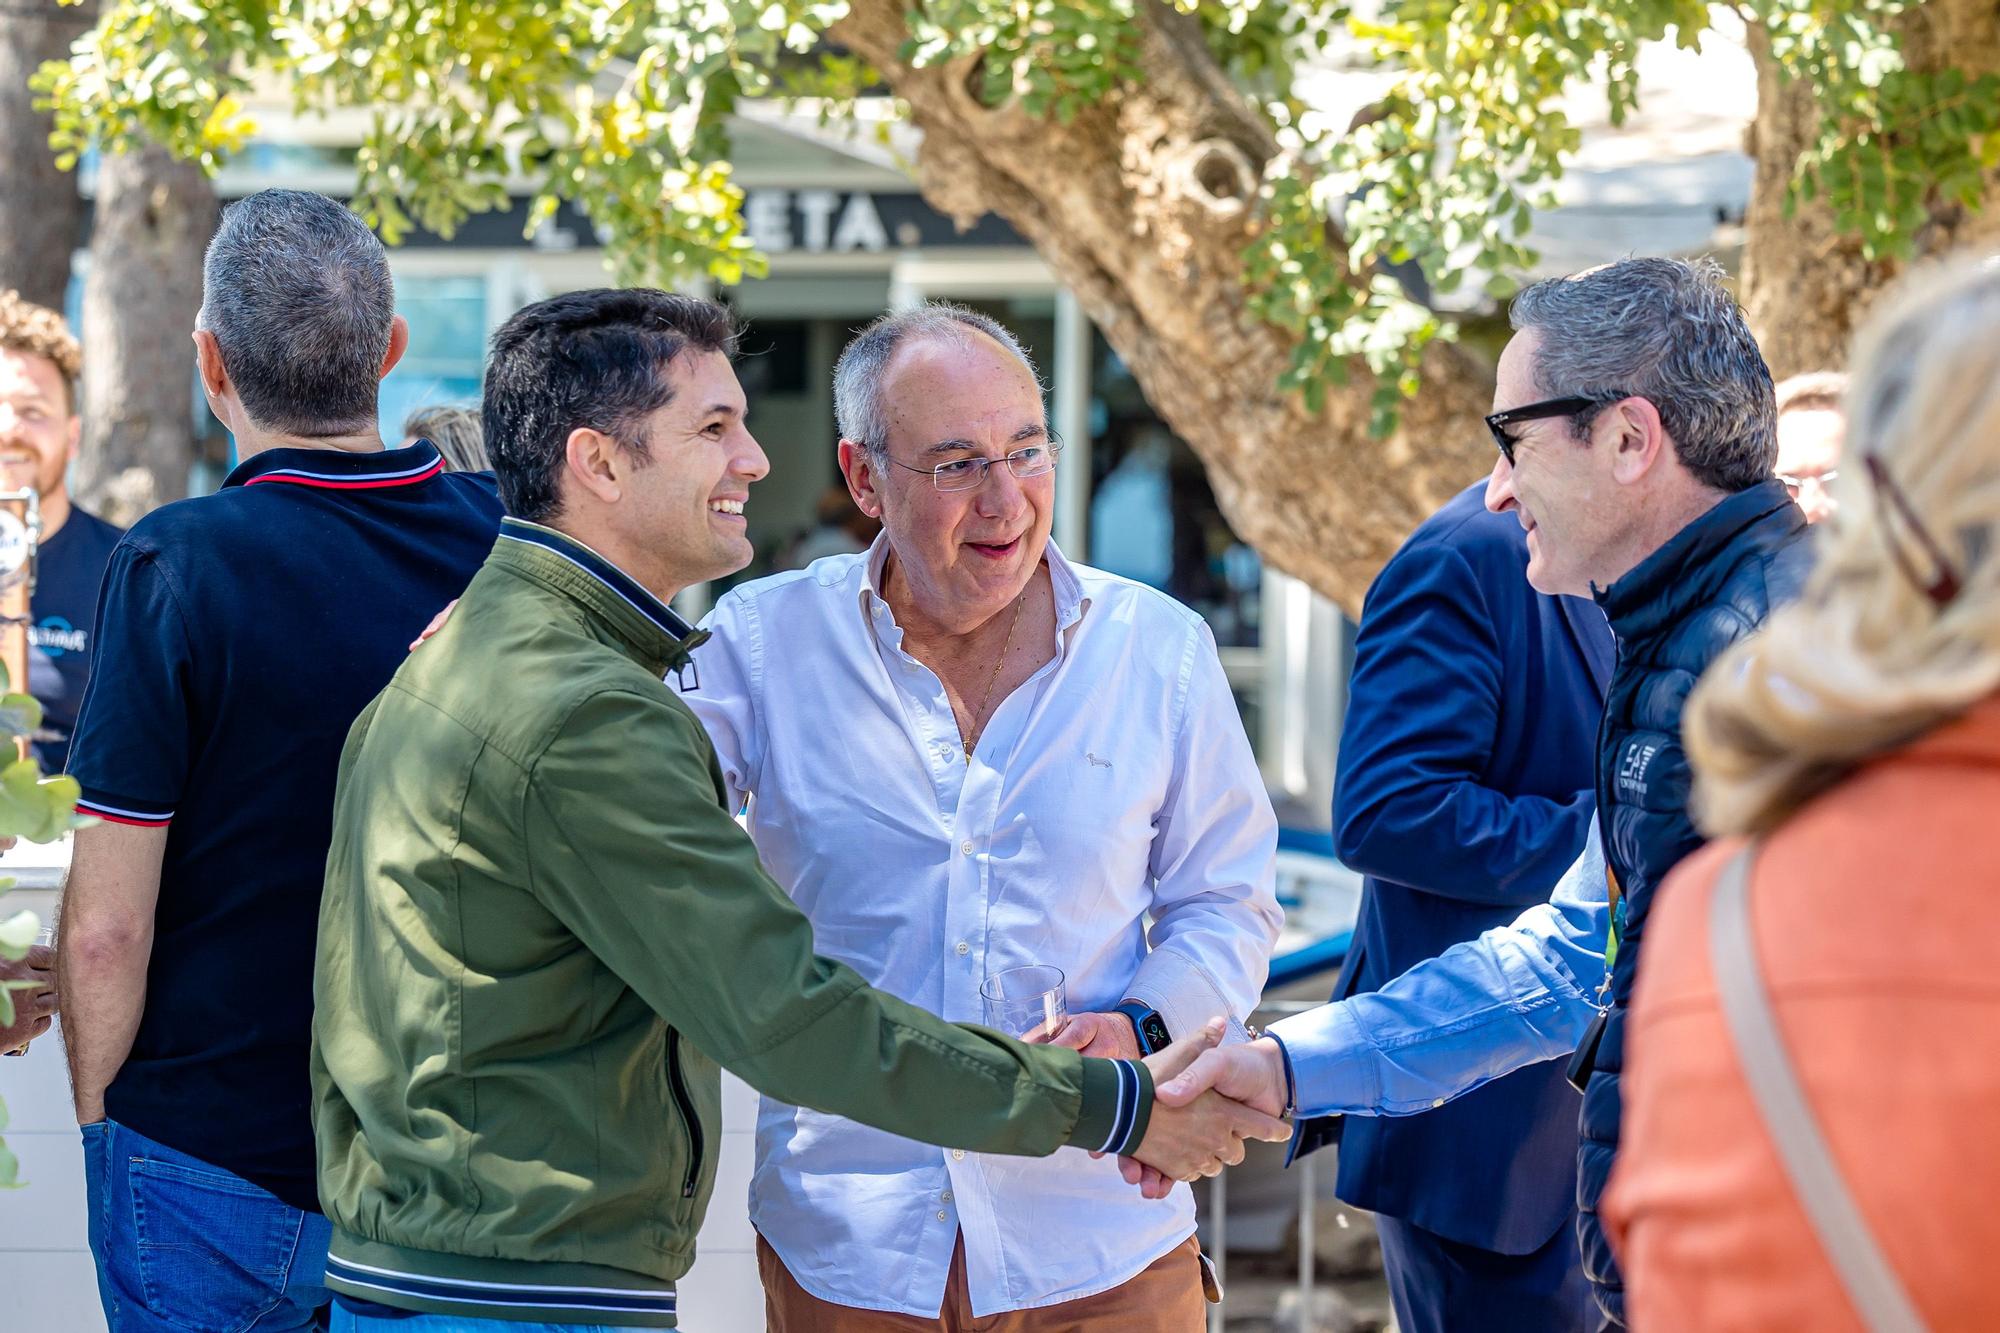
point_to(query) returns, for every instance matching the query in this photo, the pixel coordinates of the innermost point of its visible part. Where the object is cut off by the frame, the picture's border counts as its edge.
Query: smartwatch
(1146, 1021)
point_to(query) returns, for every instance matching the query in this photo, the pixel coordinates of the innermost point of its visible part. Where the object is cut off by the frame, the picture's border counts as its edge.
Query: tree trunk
(1806, 285)
(154, 218)
(1146, 223)
(41, 213)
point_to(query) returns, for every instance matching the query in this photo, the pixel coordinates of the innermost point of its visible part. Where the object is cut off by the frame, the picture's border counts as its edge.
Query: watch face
(13, 549)
(1156, 1033)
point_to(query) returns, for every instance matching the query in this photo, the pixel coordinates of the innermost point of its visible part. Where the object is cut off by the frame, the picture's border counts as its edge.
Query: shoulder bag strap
(1872, 1285)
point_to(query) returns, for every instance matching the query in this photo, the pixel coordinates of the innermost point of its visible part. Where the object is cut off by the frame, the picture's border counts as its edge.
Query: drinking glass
(1024, 1001)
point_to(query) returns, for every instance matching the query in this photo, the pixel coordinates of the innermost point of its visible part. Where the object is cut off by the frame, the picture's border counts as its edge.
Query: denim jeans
(185, 1247)
(346, 1321)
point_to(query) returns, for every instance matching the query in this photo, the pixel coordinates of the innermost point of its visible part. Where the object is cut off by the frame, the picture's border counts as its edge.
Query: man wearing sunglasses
(1635, 423)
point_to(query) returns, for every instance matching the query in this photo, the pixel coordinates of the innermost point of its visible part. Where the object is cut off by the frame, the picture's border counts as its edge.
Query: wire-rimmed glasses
(966, 474)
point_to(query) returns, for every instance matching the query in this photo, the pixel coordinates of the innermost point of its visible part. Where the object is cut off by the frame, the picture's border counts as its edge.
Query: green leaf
(20, 714)
(17, 933)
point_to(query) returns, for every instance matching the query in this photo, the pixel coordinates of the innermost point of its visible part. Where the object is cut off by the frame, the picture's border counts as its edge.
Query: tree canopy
(622, 106)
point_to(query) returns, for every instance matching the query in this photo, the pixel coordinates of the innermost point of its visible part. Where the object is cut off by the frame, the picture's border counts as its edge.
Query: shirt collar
(340, 470)
(1070, 601)
(652, 627)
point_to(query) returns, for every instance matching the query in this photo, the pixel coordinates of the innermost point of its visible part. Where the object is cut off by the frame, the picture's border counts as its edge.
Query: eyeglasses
(966, 474)
(1942, 584)
(1554, 407)
(1796, 483)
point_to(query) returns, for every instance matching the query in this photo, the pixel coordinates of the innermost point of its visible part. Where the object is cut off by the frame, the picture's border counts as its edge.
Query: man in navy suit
(1465, 790)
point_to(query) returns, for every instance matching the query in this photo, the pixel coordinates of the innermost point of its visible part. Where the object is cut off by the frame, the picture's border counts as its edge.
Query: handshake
(1207, 1101)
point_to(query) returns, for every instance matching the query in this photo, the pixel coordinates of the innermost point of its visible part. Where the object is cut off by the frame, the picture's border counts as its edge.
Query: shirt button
(945, 1197)
(963, 948)
(1439, 1102)
(966, 846)
(958, 1154)
(943, 1216)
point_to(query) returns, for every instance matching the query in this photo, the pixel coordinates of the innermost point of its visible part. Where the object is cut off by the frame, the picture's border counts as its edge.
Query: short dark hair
(297, 292)
(595, 359)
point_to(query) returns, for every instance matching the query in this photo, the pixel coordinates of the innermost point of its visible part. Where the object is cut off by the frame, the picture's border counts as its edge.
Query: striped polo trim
(590, 562)
(372, 1282)
(352, 481)
(1127, 1114)
(146, 817)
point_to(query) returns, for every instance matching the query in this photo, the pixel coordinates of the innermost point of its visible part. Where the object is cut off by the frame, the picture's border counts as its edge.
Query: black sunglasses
(1554, 407)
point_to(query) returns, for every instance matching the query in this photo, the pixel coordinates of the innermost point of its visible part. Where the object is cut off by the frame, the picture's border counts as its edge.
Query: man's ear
(399, 343)
(597, 463)
(1638, 442)
(857, 467)
(208, 364)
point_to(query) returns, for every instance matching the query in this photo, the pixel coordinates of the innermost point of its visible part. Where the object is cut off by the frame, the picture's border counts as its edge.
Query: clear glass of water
(1026, 1001)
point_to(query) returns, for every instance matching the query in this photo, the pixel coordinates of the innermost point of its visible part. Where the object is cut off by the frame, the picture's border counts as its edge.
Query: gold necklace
(994, 679)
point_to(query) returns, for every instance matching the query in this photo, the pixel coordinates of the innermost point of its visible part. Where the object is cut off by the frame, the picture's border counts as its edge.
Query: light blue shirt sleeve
(1516, 995)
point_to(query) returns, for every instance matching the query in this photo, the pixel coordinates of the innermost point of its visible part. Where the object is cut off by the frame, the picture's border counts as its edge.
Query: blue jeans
(185, 1247)
(346, 1321)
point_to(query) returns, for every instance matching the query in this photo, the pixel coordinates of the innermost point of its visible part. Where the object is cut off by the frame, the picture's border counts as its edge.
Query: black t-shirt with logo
(70, 570)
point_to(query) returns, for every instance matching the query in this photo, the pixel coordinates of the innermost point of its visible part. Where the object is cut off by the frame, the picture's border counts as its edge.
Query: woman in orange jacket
(1857, 742)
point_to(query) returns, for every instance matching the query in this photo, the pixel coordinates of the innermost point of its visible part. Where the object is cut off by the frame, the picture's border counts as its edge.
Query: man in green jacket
(542, 932)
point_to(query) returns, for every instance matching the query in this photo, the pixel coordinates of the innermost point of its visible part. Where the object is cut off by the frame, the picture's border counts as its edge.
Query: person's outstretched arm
(1516, 995)
(661, 884)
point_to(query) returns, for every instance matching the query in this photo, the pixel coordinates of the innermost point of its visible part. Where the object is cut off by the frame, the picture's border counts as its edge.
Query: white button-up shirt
(1116, 782)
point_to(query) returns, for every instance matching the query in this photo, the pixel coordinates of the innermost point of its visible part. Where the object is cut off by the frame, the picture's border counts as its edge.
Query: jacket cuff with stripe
(1116, 1107)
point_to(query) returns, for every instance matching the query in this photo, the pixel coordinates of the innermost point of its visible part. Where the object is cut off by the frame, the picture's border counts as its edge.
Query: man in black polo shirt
(239, 636)
(40, 433)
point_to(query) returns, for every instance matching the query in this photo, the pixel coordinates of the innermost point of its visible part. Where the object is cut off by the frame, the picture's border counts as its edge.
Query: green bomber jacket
(542, 933)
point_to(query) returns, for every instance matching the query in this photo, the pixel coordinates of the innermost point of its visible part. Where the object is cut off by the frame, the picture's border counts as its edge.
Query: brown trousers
(1166, 1297)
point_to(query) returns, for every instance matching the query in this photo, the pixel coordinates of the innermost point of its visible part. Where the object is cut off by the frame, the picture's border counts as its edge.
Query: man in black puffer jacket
(1641, 467)
(1711, 585)
(1637, 435)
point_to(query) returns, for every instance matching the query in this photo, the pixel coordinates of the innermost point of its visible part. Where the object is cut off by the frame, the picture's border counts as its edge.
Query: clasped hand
(1200, 1120)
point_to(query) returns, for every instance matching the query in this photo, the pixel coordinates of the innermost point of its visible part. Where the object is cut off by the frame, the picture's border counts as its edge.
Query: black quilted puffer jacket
(1708, 587)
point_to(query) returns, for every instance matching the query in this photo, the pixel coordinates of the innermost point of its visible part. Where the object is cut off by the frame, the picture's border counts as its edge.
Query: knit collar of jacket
(1688, 571)
(654, 631)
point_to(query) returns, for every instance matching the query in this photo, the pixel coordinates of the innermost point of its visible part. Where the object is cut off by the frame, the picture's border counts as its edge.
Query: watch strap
(1147, 1023)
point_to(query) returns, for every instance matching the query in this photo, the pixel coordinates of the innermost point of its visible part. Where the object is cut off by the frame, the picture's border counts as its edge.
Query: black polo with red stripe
(238, 636)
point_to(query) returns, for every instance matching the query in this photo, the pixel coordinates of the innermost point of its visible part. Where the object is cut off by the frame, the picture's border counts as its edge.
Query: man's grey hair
(858, 409)
(296, 290)
(1668, 331)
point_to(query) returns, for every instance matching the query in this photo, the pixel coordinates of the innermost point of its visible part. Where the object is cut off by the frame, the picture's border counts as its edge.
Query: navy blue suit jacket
(1465, 789)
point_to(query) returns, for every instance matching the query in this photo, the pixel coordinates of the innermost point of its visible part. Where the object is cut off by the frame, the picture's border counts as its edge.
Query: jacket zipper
(686, 1106)
(1606, 790)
